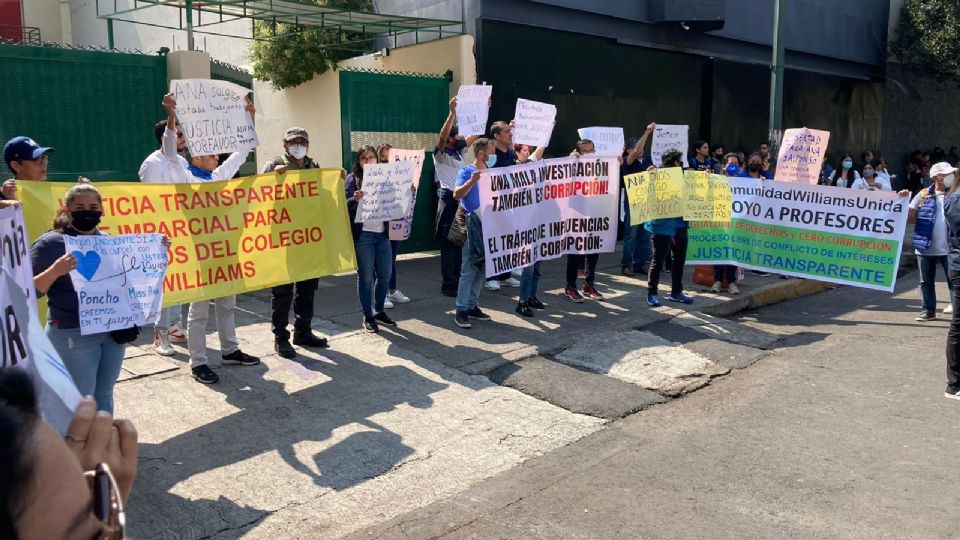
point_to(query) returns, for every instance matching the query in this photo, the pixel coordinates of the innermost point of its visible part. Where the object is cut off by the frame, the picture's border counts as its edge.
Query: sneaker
(204, 374)
(524, 309)
(733, 288)
(716, 287)
(450, 293)
(239, 358)
(642, 269)
(590, 292)
(926, 317)
(948, 310)
(284, 348)
(573, 295)
(384, 319)
(398, 297)
(493, 285)
(760, 273)
(653, 300)
(952, 393)
(680, 297)
(161, 343)
(370, 325)
(535, 303)
(511, 282)
(176, 333)
(462, 320)
(478, 314)
(308, 339)
(627, 271)
(387, 304)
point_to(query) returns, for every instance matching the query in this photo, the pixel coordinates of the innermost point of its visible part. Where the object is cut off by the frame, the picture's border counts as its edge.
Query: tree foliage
(928, 38)
(289, 55)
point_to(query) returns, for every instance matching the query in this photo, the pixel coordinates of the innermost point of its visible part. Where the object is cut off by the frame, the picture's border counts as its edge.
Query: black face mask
(85, 220)
(754, 167)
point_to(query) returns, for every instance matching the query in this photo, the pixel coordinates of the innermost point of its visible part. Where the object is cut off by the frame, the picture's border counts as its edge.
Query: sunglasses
(40, 161)
(107, 505)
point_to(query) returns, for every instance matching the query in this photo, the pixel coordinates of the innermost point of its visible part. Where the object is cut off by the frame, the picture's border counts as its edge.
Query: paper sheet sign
(534, 122)
(400, 228)
(669, 137)
(801, 155)
(473, 108)
(213, 116)
(607, 141)
(387, 193)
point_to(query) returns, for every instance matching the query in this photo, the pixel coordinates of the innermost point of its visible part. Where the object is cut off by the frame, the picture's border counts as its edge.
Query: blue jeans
(93, 362)
(394, 248)
(373, 256)
(529, 281)
(928, 278)
(637, 249)
(472, 271)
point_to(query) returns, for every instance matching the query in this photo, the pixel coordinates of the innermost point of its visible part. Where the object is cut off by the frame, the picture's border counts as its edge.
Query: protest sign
(533, 122)
(227, 237)
(386, 191)
(545, 209)
(400, 228)
(655, 194)
(607, 141)
(15, 258)
(118, 279)
(669, 137)
(801, 155)
(473, 108)
(707, 197)
(213, 116)
(848, 236)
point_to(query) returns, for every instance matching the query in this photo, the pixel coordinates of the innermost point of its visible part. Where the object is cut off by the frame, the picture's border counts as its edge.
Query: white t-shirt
(938, 242)
(861, 183)
(843, 183)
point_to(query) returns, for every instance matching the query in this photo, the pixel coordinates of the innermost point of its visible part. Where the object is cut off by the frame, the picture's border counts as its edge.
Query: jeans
(725, 272)
(529, 281)
(373, 270)
(300, 296)
(928, 278)
(953, 337)
(451, 258)
(576, 262)
(663, 244)
(197, 317)
(93, 362)
(636, 243)
(472, 270)
(394, 248)
(168, 316)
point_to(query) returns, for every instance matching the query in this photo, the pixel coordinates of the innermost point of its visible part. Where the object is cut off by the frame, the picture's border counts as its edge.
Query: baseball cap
(631, 142)
(942, 168)
(296, 133)
(23, 149)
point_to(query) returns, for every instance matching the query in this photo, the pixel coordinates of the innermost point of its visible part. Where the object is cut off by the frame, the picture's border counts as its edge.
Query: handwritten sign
(655, 194)
(15, 258)
(213, 116)
(400, 228)
(669, 137)
(607, 141)
(534, 122)
(707, 197)
(119, 280)
(473, 107)
(386, 191)
(801, 155)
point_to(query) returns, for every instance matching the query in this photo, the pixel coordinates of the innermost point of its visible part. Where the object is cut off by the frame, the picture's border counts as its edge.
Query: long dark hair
(18, 420)
(840, 170)
(61, 220)
(357, 166)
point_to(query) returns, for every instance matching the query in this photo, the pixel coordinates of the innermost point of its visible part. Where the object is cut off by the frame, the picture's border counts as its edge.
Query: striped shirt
(447, 167)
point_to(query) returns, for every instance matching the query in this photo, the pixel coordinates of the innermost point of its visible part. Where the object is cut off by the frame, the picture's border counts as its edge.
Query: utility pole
(189, 8)
(775, 125)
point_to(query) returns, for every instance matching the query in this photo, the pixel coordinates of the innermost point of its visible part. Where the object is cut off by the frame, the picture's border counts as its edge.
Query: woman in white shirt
(871, 181)
(845, 175)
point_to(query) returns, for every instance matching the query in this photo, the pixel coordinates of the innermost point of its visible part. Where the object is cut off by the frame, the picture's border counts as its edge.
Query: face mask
(297, 151)
(732, 169)
(754, 167)
(868, 173)
(85, 220)
(491, 161)
(847, 164)
(948, 180)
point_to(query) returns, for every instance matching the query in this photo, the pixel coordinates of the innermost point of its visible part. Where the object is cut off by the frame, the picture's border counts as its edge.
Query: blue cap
(23, 149)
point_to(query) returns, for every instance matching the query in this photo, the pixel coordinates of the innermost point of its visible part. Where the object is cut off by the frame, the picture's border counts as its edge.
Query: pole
(189, 8)
(775, 124)
(110, 34)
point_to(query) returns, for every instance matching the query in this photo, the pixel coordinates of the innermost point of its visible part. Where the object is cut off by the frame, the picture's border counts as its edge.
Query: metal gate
(405, 110)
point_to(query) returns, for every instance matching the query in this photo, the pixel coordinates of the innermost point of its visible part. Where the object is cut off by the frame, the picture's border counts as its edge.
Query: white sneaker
(398, 297)
(511, 282)
(387, 304)
(733, 288)
(948, 310)
(716, 287)
(177, 333)
(493, 285)
(516, 273)
(161, 343)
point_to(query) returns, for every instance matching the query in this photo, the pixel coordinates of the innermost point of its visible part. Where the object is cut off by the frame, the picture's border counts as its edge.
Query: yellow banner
(708, 197)
(227, 237)
(656, 194)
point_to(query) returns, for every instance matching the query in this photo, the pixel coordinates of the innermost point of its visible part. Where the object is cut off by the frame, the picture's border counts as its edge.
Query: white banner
(669, 137)
(545, 209)
(473, 108)
(387, 191)
(533, 122)
(119, 280)
(15, 257)
(607, 141)
(213, 116)
(400, 228)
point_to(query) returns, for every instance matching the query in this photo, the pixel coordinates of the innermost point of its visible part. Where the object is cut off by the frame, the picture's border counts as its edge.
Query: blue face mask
(491, 161)
(732, 169)
(847, 164)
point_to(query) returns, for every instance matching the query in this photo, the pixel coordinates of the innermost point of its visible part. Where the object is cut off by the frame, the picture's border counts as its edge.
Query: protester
(951, 214)
(953, 156)
(717, 153)
(930, 237)
(372, 243)
(502, 134)
(394, 295)
(732, 164)
(756, 168)
(669, 235)
(701, 160)
(882, 173)
(299, 295)
(636, 239)
(155, 169)
(530, 277)
(27, 160)
(727, 271)
(845, 175)
(767, 159)
(575, 262)
(473, 267)
(870, 181)
(44, 489)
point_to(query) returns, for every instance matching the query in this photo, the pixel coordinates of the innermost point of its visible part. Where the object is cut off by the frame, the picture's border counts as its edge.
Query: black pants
(300, 296)
(953, 338)
(451, 258)
(728, 271)
(576, 262)
(676, 245)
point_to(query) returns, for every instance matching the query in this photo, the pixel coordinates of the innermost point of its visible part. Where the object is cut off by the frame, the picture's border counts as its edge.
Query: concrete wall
(45, 15)
(315, 105)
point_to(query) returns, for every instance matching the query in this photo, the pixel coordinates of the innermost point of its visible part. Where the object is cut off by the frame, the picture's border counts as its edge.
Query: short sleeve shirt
(471, 202)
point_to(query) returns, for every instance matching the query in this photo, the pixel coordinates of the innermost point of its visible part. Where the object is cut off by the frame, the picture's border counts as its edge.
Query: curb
(772, 294)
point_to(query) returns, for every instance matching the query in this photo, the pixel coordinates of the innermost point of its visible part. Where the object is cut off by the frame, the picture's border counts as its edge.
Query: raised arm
(447, 125)
(637, 150)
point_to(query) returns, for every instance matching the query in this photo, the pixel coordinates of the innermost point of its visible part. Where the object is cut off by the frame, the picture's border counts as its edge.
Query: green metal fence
(406, 111)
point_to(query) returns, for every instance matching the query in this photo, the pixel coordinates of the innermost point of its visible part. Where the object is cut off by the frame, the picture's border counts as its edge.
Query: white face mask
(297, 151)
(948, 180)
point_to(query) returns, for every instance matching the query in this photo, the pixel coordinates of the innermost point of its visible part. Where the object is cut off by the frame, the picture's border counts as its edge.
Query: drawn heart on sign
(87, 263)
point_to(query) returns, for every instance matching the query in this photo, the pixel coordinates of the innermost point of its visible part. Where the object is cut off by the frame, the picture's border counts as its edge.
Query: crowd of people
(105, 449)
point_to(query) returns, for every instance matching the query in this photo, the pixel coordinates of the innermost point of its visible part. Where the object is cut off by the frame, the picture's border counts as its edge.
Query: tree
(928, 38)
(289, 55)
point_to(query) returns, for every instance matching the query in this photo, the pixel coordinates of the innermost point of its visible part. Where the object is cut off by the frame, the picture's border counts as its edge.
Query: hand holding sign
(607, 141)
(386, 191)
(216, 116)
(534, 122)
(669, 137)
(472, 107)
(801, 155)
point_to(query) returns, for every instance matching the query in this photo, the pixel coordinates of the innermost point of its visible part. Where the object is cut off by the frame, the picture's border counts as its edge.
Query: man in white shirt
(930, 237)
